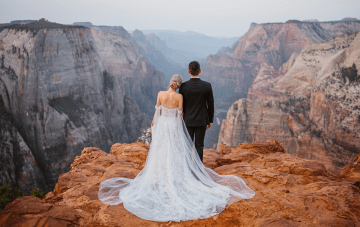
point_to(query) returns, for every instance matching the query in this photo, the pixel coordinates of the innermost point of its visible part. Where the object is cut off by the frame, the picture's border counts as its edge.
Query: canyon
(233, 69)
(63, 88)
(263, 50)
(155, 50)
(66, 87)
(290, 191)
(184, 47)
(309, 103)
(165, 59)
(123, 61)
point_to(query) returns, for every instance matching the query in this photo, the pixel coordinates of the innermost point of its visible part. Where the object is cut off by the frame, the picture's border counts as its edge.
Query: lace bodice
(162, 111)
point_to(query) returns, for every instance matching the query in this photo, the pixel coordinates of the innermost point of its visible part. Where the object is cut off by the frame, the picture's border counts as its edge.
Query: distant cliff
(311, 105)
(63, 88)
(265, 50)
(126, 59)
(124, 63)
(234, 70)
(158, 54)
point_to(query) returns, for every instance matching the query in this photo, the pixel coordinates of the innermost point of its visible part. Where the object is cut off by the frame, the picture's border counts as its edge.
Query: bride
(174, 184)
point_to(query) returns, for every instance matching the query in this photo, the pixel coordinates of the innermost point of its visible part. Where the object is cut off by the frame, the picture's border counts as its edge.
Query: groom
(198, 106)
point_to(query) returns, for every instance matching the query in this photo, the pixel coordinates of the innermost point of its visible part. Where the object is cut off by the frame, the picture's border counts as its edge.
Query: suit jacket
(198, 102)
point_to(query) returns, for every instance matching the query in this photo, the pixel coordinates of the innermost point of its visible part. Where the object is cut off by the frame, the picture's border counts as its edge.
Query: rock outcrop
(313, 109)
(59, 98)
(290, 191)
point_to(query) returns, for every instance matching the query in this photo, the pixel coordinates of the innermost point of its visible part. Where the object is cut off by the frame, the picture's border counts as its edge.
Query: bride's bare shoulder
(179, 95)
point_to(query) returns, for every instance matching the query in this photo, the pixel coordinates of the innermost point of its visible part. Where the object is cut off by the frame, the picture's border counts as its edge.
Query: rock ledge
(290, 191)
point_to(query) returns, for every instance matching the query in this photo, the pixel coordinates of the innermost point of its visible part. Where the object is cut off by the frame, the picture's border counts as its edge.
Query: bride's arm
(180, 108)
(157, 105)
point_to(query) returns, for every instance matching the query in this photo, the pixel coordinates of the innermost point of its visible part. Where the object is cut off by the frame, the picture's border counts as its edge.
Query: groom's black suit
(198, 109)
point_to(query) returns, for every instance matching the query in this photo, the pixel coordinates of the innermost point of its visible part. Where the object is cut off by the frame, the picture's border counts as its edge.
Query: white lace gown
(174, 184)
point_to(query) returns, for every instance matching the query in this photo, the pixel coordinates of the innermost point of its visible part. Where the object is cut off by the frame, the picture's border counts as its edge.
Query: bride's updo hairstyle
(176, 81)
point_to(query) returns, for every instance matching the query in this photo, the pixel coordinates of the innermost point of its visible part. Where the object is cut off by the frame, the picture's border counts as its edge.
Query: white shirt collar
(195, 77)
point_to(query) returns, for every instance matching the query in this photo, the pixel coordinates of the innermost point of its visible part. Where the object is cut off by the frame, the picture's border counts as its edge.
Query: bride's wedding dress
(174, 184)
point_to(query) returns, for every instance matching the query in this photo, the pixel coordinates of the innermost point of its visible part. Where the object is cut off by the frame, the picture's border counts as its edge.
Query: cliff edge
(290, 191)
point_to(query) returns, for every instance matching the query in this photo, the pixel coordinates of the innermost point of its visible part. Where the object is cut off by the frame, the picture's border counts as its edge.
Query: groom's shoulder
(184, 84)
(205, 82)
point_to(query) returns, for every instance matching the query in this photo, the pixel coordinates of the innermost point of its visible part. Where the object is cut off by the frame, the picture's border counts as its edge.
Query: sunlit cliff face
(309, 105)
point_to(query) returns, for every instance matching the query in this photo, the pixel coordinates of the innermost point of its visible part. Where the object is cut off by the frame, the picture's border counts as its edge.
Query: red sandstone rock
(290, 191)
(311, 109)
(352, 170)
(135, 152)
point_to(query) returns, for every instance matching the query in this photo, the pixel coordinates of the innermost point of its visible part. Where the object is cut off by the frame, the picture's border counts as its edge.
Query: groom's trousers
(199, 133)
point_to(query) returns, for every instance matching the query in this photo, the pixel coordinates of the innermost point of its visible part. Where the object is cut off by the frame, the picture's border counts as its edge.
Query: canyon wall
(17, 163)
(119, 55)
(265, 52)
(265, 46)
(63, 88)
(134, 60)
(313, 110)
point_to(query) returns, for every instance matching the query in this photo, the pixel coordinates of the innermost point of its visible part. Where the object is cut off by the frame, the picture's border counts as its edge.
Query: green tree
(7, 195)
(38, 192)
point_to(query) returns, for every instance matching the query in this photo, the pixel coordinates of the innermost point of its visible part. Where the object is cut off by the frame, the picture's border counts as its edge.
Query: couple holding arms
(174, 185)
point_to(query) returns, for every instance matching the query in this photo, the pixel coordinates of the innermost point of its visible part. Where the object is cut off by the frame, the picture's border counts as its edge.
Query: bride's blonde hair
(176, 81)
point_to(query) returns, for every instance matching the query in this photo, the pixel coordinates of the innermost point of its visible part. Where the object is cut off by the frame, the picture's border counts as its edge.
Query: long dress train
(174, 184)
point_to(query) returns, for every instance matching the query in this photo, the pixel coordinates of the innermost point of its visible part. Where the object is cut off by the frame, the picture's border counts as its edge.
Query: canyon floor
(290, 191)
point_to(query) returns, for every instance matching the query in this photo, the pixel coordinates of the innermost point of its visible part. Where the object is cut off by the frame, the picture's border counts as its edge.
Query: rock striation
(17, 163)
(290, 191)
(59, 92)
(312, 109)
(265, 46)
(123, 62)
(262, 56)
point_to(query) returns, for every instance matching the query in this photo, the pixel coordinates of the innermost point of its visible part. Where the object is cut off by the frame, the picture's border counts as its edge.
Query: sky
(220, 18)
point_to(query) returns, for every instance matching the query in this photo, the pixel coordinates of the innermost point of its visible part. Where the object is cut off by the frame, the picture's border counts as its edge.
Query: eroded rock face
(313, 109)
(18, 167)
(295, 77)
(260, 58)
(352, 170)
(264, 47)
(60, 99)
(124, 63)
(256, 120)
(290, 191)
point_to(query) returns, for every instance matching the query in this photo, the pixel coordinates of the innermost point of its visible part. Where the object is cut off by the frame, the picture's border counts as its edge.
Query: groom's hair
(194, 68)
